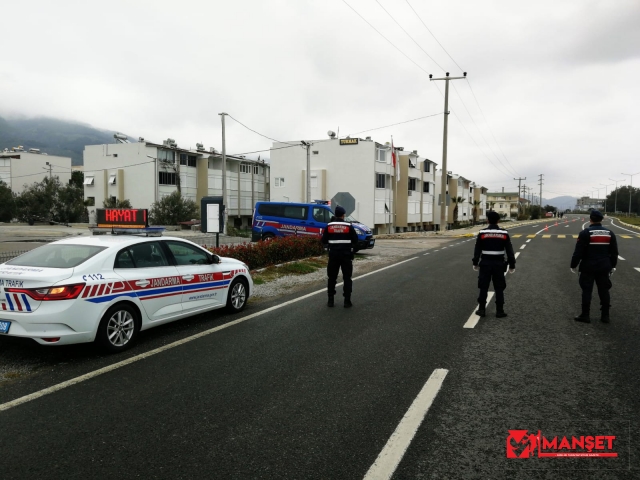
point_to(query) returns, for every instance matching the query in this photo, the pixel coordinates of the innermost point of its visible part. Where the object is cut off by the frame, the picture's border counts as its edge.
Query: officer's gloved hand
(512, 270)
(611, 272)
(573, 270)
(476, 268)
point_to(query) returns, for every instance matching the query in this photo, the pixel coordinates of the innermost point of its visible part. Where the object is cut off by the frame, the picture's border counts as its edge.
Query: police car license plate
(4, 326)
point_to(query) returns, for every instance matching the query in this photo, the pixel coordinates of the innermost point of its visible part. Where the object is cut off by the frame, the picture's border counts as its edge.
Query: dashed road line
(638, 269)
(528, 241)
(474, 319)
(516, 255)
(392, 453)
(522, 247)
(620, 258)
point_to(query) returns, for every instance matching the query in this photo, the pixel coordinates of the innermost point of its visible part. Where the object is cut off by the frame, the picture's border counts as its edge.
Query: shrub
(172, 209)
(278, 250)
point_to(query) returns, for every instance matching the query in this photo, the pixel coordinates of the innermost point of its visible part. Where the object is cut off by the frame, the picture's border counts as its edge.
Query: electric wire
(408, 35)
(390, 42)
(262, 135)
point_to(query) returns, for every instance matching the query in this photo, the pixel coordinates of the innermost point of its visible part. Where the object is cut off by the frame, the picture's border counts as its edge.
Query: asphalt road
(304, 391)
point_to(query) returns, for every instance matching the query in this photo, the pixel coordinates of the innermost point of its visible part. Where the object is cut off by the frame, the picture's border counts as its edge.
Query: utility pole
(307, 145)
(224, 173)
(48, 167)
(605, 196)
(615, 204)
(443, 185)
(519, 190)
(540, 182)
(631, 175)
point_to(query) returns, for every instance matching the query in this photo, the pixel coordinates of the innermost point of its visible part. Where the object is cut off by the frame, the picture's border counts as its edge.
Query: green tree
(457, 201)
(172, 209)
(37, 201)
(476, 210)
(7, 203)
(115, 203)
(77, 178)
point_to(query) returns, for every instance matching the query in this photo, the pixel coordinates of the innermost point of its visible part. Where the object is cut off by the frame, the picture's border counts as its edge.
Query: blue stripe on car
(9, 301)
(24, 299)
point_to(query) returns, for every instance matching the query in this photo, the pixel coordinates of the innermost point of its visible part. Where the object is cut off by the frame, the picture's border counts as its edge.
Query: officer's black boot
(347, 301)
(604, 315)
(330, 302)
(500, 311)
(584, 316)
(481, 312)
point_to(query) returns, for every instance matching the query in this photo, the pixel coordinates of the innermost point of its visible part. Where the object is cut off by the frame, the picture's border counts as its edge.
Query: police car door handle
(188, 278)
(142, 283)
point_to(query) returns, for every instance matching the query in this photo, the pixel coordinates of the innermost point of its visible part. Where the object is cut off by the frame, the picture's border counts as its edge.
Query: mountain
(52, 136)
(561, 203)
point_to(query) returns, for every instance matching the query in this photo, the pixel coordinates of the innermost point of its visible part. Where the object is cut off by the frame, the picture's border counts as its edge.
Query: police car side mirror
(214, 259)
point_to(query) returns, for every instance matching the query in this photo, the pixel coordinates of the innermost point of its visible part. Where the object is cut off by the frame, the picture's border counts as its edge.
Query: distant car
(108, 288)
(549, 214)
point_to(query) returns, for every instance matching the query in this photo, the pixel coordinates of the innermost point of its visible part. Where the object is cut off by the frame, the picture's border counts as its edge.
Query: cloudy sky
(556, 83)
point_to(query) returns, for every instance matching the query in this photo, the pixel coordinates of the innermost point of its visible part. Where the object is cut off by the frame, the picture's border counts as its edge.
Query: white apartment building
(506, 203)
(19, 167)
(363, 168)
(144, 172)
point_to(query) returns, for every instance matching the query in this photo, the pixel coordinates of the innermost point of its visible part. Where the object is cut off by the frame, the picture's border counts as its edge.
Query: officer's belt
(488, 252)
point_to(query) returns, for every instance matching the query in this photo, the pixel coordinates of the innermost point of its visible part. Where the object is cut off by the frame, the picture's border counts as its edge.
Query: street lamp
(631, 175)
(605, 196)
(615, 205)
(598, 197)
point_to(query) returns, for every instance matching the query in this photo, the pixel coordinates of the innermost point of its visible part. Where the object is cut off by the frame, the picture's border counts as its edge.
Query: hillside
(52, 136)
(562, 203)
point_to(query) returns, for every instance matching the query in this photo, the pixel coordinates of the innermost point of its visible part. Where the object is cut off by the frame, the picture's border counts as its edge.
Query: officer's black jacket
(596, 249)
(341, 237)
(491, 245)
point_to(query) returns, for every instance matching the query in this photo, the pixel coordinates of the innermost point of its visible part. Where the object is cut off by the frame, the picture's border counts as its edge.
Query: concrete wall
(32, 168)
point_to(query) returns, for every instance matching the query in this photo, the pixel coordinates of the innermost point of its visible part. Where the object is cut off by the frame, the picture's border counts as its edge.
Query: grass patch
(301, 267)
(630, 220)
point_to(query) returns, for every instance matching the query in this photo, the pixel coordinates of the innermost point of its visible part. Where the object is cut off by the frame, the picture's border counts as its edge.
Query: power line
(262, 135)
(390, 42)
(399, 123)
(408, 35)
(434, 37)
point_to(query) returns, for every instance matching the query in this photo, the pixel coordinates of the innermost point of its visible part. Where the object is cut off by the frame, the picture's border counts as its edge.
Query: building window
(115, 155)
(427, 166)
(166, 155)
(256, 170)
(112, 199)
(316, 152)
(425, 187)
(412, 184)
(278, 182)
(191, 161)
(314, 181)
(88, 181)
(91, 201)
(380, 180)
(112, 179)
(244, 168)
(500, 205)
(183, 159)
(381, 156)
(166, 178)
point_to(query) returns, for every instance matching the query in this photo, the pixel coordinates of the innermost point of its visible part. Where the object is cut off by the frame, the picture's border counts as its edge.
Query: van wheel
(118, 328)
(268, 237)
(237, 296)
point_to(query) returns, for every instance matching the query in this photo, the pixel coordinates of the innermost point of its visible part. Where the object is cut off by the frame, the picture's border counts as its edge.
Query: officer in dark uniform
(488, 258)
(597, 254)
(342, 240)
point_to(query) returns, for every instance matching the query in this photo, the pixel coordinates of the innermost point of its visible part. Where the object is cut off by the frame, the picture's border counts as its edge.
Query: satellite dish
(331, 133)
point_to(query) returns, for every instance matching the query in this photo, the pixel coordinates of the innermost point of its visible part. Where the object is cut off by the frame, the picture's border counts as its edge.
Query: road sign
(345, 200)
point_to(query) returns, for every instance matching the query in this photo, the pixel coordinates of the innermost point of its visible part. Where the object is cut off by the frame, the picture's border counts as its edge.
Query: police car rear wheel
(237, 296)
(119, 328)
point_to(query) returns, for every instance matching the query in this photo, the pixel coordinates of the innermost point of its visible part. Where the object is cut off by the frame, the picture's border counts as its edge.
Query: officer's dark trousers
(601, 279)
(339, 261)
(487, 274)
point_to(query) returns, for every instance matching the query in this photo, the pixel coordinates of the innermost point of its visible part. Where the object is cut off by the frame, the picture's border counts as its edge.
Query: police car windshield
(56, 256)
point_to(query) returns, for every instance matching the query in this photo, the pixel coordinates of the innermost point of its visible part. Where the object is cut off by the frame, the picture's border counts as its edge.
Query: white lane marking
(115, 366)
(522, 247)
(392, 453)
(528, 241)
(535, 226)
(583, 225)
(473, 319)
(638, 269)
(545, 228)
(427, 253)
(630, 231)
(566, 226)
(516, 255)
(620, 258)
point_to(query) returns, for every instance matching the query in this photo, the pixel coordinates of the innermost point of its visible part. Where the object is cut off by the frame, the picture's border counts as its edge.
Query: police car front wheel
(237, 296)
(118, 328)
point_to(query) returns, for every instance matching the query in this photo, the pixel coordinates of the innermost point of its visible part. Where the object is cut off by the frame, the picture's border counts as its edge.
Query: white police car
(108, 288)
